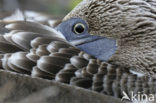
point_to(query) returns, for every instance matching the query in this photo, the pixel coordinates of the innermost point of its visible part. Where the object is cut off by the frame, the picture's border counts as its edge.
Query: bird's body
(132, 23)
(41, 52)
(38, 50)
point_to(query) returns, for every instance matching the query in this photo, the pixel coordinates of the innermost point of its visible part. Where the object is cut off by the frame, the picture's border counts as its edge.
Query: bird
(75, 31)
(35, 49)
(131, 23)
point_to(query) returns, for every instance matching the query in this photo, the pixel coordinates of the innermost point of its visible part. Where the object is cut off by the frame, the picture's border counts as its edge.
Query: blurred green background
(55, 7)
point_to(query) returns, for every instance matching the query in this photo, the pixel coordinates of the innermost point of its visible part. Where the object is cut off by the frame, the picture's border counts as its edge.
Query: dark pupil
(79, 29)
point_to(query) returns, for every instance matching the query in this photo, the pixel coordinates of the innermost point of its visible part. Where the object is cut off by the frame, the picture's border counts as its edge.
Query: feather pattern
(39, 51)
(130, 22)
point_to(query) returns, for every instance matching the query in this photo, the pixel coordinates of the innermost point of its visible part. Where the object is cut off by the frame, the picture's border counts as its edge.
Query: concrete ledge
(17, 88)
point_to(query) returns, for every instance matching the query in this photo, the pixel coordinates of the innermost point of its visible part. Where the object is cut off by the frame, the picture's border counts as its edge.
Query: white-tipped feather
(137, 73)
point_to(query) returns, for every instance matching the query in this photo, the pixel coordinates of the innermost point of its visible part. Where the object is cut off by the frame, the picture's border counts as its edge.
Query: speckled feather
(51, 57)
(131, 22)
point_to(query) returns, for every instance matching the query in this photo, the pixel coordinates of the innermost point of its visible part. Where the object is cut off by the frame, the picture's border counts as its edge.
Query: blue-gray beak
(100, 47)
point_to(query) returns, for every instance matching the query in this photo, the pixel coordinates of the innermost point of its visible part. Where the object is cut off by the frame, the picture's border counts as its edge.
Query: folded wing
(37, 50)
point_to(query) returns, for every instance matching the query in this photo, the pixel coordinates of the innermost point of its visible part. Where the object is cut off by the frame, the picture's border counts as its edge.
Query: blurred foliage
(73, 3)
(55, 7)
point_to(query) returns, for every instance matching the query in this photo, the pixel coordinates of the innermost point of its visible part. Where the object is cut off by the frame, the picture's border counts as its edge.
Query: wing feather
(44, 53)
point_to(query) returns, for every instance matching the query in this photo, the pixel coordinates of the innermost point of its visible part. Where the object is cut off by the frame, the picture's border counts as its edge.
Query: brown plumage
(131, 22)
(40, 52)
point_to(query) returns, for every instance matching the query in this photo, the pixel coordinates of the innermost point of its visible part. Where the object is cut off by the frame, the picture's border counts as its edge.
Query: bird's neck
(138, 51)
(144, 39)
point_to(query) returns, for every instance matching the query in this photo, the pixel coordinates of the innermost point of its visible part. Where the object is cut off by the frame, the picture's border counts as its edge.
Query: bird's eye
(79, 28)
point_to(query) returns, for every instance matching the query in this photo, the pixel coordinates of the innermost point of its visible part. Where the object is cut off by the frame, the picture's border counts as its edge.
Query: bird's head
(75, 31)
(132, 23)
(116, 18)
